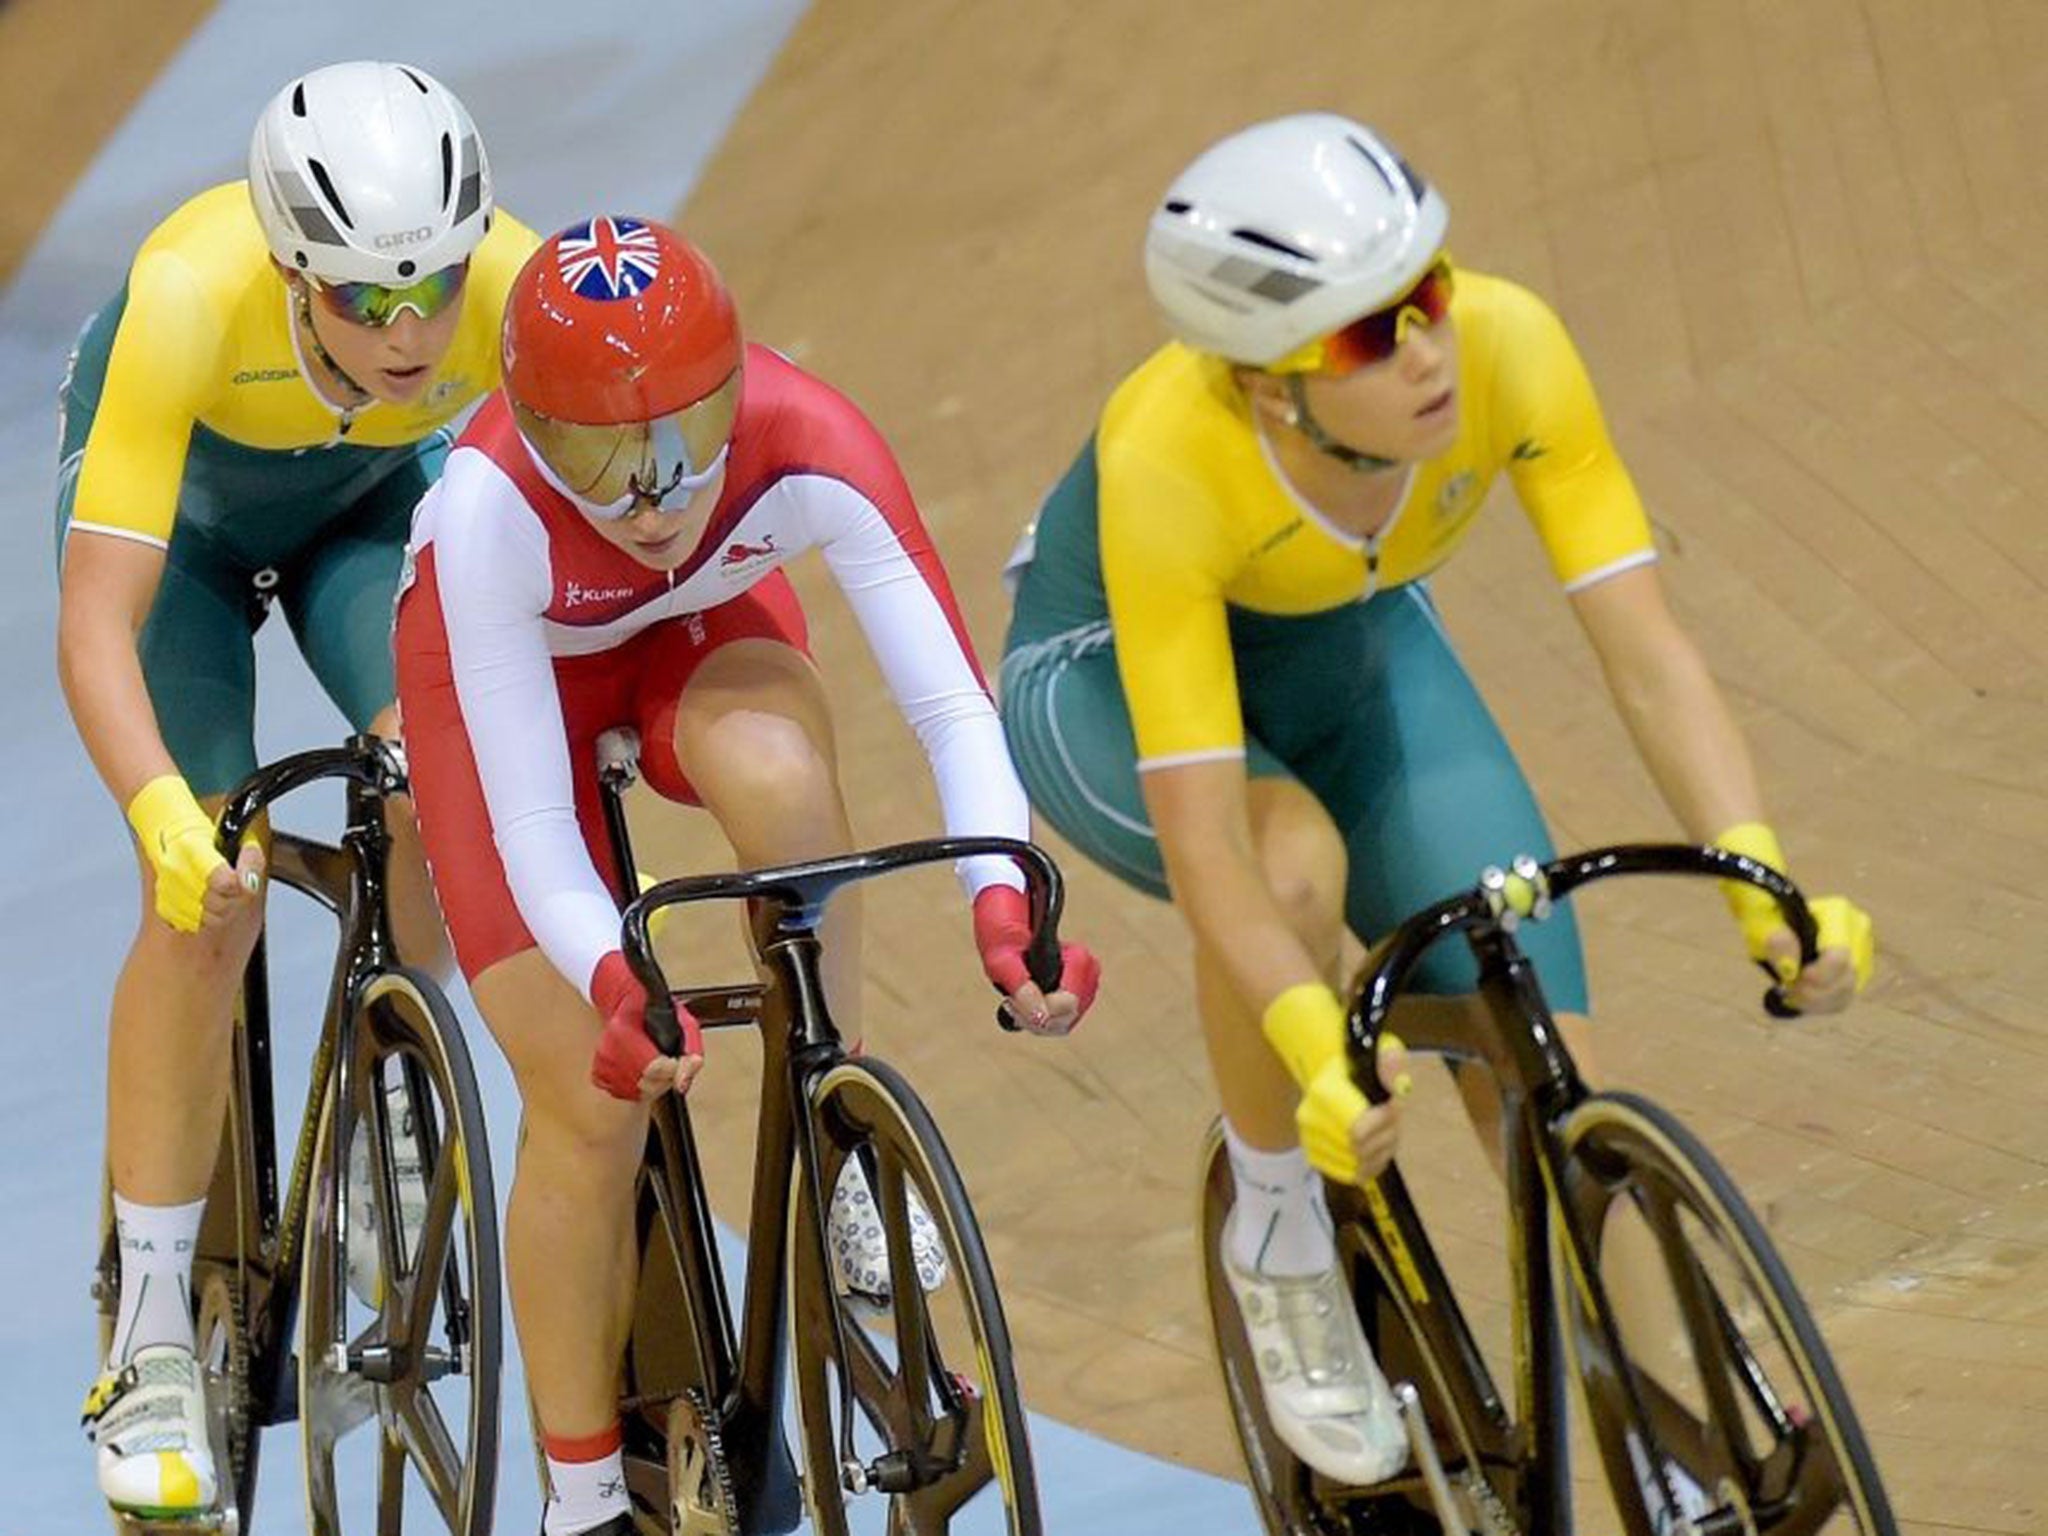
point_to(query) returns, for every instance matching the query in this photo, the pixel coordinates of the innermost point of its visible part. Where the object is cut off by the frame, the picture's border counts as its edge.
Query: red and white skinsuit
(523, 633)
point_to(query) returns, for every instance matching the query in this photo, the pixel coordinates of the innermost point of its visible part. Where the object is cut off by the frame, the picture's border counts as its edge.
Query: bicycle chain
(1494, 1519)
(241, 1407)
(691, 1518)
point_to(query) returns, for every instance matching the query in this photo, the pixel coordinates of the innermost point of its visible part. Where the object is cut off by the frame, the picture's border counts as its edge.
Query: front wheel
(1749, 1428)
(399, 1294)
(936, 1429)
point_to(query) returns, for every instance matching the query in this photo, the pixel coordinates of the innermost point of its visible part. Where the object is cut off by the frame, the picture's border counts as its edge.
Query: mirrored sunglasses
(1378, 336)
(376, 306)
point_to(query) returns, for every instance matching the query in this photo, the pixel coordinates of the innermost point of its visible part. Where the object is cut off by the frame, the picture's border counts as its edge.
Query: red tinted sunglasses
(1376, 337)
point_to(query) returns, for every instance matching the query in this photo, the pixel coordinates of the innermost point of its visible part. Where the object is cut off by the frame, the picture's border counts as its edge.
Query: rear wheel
(399, 1292)
(1725, 1365)
(937, 1430)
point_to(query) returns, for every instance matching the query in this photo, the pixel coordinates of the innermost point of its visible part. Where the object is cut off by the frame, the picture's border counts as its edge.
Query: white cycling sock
(1281, 1224)
(156, 1275)
(586, 1483)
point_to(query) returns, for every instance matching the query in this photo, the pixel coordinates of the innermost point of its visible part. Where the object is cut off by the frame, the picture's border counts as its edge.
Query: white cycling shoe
(148, 1423)
(860, 1248)
(1326, 1397)
(365, 1261)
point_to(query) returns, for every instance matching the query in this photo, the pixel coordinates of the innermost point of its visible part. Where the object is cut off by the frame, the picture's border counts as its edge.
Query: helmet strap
(1303, 420)
(327, 359)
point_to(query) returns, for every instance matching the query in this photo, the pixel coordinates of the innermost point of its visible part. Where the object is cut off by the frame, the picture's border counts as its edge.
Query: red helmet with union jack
(622, 362)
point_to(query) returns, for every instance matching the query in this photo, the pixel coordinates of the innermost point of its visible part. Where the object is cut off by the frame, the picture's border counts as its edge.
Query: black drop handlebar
(1526, 889)
(800, 891)
(370, 762)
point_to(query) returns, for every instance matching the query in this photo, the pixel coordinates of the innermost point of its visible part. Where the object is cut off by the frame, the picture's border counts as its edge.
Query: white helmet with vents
(1287, 231)
(369, 173)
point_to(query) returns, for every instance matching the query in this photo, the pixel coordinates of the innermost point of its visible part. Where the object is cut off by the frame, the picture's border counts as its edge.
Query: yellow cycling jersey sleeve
(206, 340)
(1172, 538)
(1546, 424)
(1195, 516)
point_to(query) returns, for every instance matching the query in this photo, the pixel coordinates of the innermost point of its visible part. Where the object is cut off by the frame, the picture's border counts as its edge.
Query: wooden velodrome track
(1801, 246)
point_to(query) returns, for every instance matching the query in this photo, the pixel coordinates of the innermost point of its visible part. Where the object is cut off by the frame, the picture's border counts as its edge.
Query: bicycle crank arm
(1423, 1444)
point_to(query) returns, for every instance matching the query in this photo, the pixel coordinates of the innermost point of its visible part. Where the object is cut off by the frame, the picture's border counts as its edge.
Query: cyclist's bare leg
(1477, 1087)
(169, 1045)
(168, 1051)
(1278, 1249)
(1304, 863)
(754, 733)
(568, 1222)
(415, 916)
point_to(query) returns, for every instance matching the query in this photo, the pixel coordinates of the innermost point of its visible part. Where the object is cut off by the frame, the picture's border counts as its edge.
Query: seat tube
(613, 782)
(710, 1319)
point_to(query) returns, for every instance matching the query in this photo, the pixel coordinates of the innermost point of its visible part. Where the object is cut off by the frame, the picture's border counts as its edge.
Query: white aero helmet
(1287, 231)
(369, 173)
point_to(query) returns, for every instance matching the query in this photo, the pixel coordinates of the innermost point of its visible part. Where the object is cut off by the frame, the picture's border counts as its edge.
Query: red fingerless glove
(1002, 932)
(623, 1047)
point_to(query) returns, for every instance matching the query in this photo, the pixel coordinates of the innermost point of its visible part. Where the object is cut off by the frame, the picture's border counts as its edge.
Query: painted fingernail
(251, 881)
(1404, 1084)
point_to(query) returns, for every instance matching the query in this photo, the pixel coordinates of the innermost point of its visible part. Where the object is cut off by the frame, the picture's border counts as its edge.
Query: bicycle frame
(1521, 1050)
(742, 1377)
(348, 880)
(1537, 1082)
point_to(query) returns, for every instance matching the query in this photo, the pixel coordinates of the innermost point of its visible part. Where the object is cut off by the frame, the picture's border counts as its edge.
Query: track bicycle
(362, 1300)
(1738, 1425)
(907, 1412)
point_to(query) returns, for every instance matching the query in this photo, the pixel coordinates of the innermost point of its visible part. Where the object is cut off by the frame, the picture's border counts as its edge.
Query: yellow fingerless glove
(1305, 1025)
(1842, 924)
(1756, 913)
(177, 838)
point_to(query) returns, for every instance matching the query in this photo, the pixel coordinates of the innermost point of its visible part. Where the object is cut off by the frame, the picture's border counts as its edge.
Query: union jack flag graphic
(608, 258)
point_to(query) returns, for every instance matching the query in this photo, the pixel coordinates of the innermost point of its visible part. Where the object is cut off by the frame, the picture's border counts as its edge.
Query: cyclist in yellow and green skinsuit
(249, 421)
(1225, 680)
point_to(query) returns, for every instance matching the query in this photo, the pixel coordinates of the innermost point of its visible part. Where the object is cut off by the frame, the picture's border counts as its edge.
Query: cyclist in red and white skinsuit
(605, 548)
